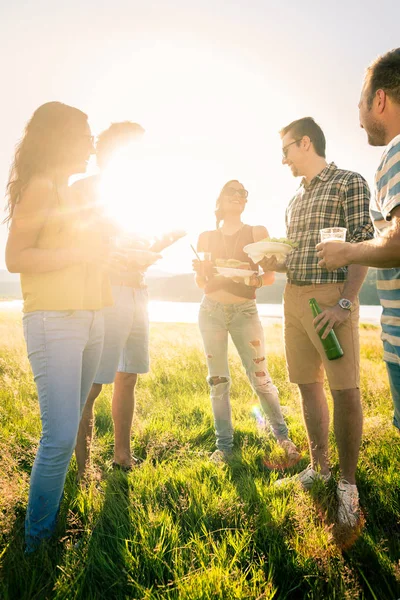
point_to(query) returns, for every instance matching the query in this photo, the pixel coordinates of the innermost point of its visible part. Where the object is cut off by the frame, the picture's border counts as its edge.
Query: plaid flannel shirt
(334, 198)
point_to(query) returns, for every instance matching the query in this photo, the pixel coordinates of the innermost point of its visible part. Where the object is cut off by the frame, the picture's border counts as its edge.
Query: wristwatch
(345, 304)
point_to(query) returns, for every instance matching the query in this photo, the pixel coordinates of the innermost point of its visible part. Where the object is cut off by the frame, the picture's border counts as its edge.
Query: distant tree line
(181, 288)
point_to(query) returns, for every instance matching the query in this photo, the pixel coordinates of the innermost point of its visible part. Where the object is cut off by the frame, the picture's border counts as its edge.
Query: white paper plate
(259, 250)
(228, 272)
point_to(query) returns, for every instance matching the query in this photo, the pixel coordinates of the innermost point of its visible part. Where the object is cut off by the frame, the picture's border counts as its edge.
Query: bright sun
(153, 188)
(128, 192)
(145, 190)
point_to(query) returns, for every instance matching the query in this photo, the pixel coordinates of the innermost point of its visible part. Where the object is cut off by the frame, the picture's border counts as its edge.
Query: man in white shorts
(126, 339)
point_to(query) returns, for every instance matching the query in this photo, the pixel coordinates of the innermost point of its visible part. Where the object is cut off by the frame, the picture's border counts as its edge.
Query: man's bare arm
(382, 252)
(355, 279)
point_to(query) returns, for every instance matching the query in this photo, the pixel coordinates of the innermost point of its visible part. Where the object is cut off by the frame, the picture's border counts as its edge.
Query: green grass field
(179, 527)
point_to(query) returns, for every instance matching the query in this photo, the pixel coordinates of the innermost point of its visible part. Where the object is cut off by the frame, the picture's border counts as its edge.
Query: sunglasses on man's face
(230, 191)
(285, 149)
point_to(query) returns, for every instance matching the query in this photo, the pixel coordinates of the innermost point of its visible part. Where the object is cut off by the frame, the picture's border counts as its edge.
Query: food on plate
(232, 263)
(281, 241)
(270, 247)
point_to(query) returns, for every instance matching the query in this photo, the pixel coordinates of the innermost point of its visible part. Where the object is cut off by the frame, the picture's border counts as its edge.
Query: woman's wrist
(255, 281)
(200, 281)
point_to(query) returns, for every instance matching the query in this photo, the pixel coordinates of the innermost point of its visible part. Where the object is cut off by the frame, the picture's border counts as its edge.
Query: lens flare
(259, 417)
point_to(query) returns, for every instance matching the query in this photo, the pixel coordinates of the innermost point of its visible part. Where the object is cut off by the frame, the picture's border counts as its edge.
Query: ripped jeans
(241, 320)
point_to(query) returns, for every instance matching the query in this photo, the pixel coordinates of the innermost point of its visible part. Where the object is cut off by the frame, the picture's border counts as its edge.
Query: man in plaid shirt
(327, 197)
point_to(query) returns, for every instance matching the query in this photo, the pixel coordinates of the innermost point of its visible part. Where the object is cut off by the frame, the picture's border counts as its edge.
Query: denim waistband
(120, 286)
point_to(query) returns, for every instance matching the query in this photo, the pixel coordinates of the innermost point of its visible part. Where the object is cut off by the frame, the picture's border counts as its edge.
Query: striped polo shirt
(387, 197)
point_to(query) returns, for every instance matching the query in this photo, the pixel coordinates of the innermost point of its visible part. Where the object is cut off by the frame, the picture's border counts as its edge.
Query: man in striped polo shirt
(380, 117)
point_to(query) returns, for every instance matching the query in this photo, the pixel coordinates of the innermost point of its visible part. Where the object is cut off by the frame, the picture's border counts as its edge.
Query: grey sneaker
(219, 457)
(306, 478)
(290, 449)
(349, 507)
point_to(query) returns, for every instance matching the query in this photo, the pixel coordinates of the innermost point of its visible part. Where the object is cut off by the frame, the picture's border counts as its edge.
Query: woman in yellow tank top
(56, 243)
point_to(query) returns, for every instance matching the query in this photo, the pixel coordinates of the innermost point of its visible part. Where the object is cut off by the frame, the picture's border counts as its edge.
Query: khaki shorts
(305, 355)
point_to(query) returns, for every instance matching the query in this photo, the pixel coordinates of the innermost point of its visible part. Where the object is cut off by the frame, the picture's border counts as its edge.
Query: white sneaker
(349, 507)
(306, 478)
(219, 457)
(290, 450)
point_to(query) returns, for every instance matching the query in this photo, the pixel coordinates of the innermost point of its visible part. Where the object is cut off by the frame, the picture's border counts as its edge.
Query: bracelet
(259, 283)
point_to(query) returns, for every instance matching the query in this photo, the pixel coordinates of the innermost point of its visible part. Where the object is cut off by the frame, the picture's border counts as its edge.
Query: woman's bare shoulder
(203, 241)
(259, 232)
(38, 193)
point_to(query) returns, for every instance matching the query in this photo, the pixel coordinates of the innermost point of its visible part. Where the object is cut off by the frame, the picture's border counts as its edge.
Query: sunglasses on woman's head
(230, 191)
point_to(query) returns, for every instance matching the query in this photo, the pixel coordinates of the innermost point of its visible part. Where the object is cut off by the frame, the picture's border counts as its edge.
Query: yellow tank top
(83, 286)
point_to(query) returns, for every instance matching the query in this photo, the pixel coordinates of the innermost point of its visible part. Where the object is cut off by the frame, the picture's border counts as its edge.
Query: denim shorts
(126, 334)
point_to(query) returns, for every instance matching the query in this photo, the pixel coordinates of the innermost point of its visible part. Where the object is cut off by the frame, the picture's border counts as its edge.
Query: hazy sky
(212, 83)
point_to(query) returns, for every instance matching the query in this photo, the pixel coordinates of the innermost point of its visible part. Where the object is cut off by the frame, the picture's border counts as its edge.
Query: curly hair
(44, 146)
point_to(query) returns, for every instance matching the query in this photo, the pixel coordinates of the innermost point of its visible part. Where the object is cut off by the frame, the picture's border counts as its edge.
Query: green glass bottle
(333, 349)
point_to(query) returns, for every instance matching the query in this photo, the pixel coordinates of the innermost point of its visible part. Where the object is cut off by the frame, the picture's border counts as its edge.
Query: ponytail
(219, 213)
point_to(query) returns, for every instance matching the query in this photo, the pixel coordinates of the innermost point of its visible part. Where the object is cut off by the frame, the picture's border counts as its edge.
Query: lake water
(186, 312)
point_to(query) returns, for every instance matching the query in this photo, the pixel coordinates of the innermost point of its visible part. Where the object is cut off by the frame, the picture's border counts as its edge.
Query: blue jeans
(394, 380)
(241, 320)
(64, 349)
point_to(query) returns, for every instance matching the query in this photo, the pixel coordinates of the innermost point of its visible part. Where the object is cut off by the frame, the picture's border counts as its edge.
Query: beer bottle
(333, 349)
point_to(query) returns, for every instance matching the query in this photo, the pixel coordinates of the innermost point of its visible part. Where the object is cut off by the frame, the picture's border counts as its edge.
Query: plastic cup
(206, 256)
(333, 234)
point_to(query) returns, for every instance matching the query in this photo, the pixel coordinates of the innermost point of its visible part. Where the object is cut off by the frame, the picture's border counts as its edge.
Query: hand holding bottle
(327, 319)
(330, 343)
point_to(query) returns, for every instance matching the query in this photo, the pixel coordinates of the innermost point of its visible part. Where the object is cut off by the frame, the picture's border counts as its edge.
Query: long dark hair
(44, 146)
(219, 211)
